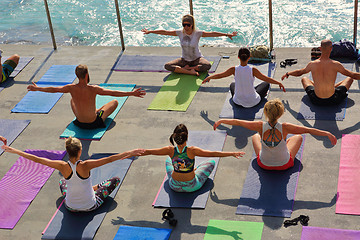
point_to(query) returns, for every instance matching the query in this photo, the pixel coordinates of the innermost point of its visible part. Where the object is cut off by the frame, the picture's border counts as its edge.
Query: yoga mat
(23, 62)
(348, 195)
(96, 134)
(317, 233)
(84, 225)
(21, 184)
(150, 63)
(230, 230)
(42, 102)
(141, 233)
(231, 110)
(166, 197)
(270, 193)
(336, 112)
(11, 129)
(177, 92)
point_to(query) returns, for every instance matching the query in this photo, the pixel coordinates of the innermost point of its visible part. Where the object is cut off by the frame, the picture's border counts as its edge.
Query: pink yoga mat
(21, 184)
(348, 194)
(317, 233)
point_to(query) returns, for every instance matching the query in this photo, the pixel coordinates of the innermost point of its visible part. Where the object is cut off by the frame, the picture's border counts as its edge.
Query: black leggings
(261, 89)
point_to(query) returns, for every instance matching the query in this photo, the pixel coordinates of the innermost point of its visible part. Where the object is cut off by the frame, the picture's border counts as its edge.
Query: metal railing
(271, 40)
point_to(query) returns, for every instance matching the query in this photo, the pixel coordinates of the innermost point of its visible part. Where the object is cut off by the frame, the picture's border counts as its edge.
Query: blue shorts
(7, 68)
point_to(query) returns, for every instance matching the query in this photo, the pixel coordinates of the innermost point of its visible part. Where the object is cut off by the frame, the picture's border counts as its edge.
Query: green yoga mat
(230, 230)
(96, 134)
(177, 92)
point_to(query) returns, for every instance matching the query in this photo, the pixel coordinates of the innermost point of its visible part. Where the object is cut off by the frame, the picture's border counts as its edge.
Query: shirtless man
(83, 99)
(8, 66)
(323, 90)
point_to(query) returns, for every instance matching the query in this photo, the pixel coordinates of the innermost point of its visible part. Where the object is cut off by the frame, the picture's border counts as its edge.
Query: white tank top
(274, 156)
(190, 44)
(80, 194)
(245, 94)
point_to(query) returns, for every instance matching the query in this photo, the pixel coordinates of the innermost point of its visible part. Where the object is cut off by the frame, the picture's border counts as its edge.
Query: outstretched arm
(251, 125)
(62, 89)
(206, 153)
(265, 78)
(169, 150)
(295, 129)
(219, 34)
(344, 71)
(297, 72)
(94, 163)
(136, 92)
(57, 164)
(160, 32)
(229, 72)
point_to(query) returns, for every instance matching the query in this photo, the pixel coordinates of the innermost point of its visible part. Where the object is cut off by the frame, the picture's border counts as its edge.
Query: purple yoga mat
(316, 233)
(21, 184)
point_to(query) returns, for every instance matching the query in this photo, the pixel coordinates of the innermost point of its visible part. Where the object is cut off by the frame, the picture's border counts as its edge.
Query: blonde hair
(273, 110)
(189, 18)
(73, 146)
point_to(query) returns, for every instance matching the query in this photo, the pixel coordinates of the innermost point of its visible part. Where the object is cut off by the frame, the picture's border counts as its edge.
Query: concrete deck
(136, 127)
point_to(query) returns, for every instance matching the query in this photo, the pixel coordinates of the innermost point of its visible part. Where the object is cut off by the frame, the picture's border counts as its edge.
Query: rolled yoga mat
(166, 197)
(231, 110)
(83, 225)
(270, 193)
(315, 112)
(96, 134)
(230, 230)
(23, 62)
(11, 129)
(348, 195)
(317, 233)
(177, 92)
(21, 184)
(42, 102)
(141, 233)
(150, 63)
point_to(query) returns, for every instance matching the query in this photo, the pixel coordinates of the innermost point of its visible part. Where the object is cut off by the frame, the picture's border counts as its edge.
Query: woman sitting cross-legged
(180, 165)
(272, 149)
(77, 187)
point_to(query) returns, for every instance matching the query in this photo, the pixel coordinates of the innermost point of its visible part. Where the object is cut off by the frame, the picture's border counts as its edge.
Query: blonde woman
(77, 187)
(191, 61)
(272, 149)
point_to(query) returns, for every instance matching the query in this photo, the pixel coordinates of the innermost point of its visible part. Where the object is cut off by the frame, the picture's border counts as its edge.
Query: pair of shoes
(315, 52)
(304, 220)
(288, 62)
(169, 215)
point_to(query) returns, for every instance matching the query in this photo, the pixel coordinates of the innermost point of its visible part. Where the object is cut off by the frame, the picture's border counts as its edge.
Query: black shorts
(339, 95)
(98, 123)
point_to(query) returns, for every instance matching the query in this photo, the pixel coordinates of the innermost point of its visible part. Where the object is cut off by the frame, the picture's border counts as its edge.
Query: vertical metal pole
(271, 26)
(50, 24)
(355, 21)
(119, 23)
(191, 7)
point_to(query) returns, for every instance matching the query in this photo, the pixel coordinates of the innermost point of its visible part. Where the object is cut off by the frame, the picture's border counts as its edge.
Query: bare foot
(193, 72)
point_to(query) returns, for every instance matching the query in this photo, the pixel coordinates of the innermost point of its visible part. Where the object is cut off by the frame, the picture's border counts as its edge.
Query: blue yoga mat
(141, 233)
(96, 134)
(166, 197)
(312, 112)
(270, 193)
(11, 129)
(231, 110)
(83, 225)
(150, 63)
(23, 62)
(42, 102)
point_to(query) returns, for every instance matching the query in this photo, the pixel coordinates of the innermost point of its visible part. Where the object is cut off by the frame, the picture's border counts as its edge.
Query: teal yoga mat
(42, 102)
(96, 134)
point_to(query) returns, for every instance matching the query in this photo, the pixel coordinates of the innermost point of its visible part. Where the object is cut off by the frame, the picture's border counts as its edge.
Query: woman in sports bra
(180, 165)
(77, 187)
(272, 150)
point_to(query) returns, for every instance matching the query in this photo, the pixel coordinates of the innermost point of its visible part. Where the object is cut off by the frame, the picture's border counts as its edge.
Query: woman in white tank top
(273, 150)
(80, 194)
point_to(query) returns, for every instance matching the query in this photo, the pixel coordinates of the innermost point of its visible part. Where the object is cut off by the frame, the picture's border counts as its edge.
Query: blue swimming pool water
(296, 23)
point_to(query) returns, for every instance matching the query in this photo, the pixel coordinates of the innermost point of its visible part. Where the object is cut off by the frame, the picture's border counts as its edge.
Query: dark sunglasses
(186, 25)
